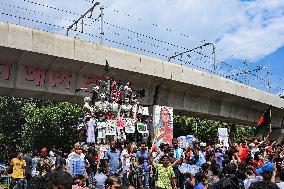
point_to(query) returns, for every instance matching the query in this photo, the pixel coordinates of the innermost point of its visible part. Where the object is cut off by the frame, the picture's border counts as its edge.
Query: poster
(111, 127)
(223, 136)
(190, 139)
(143, 110)
(120, 123)
(142, 128)
(182, 141)
(129, 126)
(102, 152)
(101, 130)
(163, 124)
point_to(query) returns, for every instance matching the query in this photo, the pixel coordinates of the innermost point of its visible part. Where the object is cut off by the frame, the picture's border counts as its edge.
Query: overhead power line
(81, 18)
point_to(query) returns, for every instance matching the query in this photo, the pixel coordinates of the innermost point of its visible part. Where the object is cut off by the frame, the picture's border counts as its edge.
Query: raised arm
(268, 135)
(176, 161)
(151, 158)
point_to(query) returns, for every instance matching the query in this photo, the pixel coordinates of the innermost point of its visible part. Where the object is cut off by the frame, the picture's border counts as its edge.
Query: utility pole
(75, 23)
(268, 80)
(102, 24)
(195, 48)
(246, 71)
(214, 58)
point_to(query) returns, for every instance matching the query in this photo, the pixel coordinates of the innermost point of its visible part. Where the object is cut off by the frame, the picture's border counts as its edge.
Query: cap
(43, 150)
(265, 168)
(203, 144)
(87, 115)
(218, 146)
(251, 145)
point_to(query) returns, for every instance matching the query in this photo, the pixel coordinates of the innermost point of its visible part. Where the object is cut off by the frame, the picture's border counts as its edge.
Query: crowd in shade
(249, 165)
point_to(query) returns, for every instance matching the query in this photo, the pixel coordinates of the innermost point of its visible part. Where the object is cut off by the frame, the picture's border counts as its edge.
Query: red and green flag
(265, 120)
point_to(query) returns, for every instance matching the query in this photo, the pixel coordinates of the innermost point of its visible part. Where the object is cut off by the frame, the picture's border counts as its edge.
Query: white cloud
(247, 30)
(258, 33)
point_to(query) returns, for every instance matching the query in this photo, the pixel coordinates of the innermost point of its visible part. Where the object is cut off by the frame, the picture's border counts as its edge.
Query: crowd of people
(254, 164)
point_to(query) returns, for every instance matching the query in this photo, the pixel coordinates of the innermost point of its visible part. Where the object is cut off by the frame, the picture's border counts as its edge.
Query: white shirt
(280, 185)
(252, 179)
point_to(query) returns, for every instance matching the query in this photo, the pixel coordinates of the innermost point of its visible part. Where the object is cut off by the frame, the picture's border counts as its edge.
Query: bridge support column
(277, 134)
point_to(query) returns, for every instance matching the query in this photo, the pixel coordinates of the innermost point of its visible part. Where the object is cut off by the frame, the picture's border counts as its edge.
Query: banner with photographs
(142, 127)
(223, 136)
(111, 127)
(163, 124)
(129, 126)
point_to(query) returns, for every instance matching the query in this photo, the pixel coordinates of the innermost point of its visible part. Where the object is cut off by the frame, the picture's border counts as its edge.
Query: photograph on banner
(101, 126)
(142, 127)
(223, 136)
(120, 123)
(129, 126)
(102, 151)
(163, 124)
(111, 127)
(182, 141)
(223, 131)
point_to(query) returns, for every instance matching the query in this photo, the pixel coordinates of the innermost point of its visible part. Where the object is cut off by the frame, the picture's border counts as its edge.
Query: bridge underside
(186, 99)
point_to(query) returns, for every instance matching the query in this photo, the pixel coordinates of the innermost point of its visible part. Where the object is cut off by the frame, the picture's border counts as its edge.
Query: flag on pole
(265, 120)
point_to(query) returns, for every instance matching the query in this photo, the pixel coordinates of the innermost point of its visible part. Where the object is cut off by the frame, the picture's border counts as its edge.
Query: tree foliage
(11, 121)
(207, 130)
(50, 125)
(28, 124)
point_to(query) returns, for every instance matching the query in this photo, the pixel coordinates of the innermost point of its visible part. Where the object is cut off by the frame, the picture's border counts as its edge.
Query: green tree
(32, 124)
(207, 130)
(50, 125)
(11, 122)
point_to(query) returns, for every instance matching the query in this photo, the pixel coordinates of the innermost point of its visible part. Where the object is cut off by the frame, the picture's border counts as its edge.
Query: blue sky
(242, 30)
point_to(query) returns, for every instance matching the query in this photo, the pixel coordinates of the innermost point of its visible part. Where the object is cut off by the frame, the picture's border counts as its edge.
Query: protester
(100, 179)
(143, 156)
(76, 161)
(229, 180)
(113, 161)
(177, 150)
(165, 174)
(122, 164)
(200, 181)
(17, 165)
(79, 182)
(113, 182)
(44, 163)
(61, 180)
(263, 185)
(28, 169)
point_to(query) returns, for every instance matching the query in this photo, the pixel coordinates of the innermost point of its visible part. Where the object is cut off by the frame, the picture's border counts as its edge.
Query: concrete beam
(187, 90)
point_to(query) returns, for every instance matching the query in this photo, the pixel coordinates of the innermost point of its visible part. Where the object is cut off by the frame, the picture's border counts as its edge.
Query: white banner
(223, 136)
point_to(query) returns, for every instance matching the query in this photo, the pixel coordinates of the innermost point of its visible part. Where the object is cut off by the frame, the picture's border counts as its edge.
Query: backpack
(230, 182)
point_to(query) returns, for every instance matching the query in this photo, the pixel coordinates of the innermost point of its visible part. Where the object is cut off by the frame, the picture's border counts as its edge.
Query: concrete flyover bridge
(38, 64)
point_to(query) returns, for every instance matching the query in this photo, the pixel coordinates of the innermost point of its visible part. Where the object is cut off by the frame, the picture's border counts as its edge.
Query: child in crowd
(79, 182)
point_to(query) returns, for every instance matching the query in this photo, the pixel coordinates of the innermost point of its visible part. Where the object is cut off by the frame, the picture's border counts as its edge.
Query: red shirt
(243, 153)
